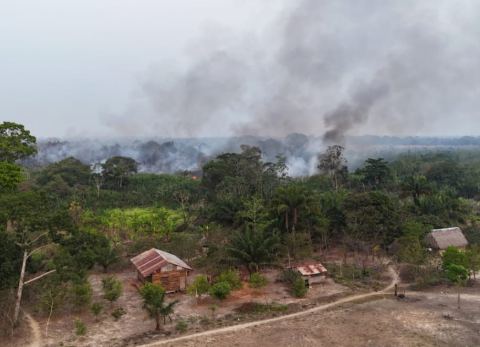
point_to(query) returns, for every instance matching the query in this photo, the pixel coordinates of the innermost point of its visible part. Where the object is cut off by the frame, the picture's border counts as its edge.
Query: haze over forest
(224, 68)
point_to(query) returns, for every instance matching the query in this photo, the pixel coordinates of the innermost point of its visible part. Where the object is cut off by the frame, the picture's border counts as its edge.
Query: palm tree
(290, 200)
(253, 248)
(154, 302)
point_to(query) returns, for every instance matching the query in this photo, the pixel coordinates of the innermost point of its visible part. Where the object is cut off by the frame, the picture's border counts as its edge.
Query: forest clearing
(102, 255)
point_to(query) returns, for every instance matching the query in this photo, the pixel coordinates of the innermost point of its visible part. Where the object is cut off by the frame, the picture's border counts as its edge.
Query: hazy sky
(218, 67)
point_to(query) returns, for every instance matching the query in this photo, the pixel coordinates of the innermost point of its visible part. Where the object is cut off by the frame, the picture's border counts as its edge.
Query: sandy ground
(418, 321)
(107, 332)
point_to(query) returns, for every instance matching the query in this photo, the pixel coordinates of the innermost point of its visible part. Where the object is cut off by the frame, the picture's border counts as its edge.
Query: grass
(258, 308)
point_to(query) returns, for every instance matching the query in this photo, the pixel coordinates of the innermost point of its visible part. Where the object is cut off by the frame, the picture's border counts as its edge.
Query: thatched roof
(443, 238)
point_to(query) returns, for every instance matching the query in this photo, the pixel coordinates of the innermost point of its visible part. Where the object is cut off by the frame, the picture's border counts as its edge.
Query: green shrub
(299, 289)
(81, 294)
(220, 290)
(289, 276)
(296, 283)
(80, 327)
(112, 288)
(181, 326)
(232, 278)
(118, 313)
(199, 286)
(257, 280)
(96, 309)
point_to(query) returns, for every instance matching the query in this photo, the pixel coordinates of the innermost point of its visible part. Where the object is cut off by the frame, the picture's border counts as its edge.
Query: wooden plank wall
(169, 280)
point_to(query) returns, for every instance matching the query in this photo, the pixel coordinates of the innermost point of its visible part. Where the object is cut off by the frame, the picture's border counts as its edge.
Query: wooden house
(441, 239)
(161, 267)
(311, 273)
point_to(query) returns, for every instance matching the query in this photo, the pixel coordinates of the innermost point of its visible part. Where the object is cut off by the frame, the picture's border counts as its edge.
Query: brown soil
(136, 324)
(423, 321)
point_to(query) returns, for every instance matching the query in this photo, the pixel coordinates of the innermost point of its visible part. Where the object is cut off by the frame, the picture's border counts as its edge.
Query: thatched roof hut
(440, 239)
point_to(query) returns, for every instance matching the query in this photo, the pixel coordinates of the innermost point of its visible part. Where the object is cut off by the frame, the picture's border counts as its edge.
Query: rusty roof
(150, 261)
(311, 269)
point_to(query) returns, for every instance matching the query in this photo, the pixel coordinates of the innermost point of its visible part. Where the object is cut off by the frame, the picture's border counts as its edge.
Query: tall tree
(16, 142)
(416, 186)
(376, 172)
(118, 169)
(10, 176)
(290, 201)
(333, 163)
(29, 219)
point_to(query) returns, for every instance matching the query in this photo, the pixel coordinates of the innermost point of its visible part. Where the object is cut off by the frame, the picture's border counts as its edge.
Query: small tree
(299, 289)
(253, 249)
(453, 255)
(112, 288)
(107, 255)
(473, 259)
(199, 286)
(154, 302)
(458, 275)
(220, 290)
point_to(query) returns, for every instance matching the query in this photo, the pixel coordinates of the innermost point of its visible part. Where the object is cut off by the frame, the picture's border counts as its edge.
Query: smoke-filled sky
(185, 68)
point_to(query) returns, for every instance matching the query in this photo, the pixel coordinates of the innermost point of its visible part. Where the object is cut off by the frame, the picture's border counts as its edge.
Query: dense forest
(60, 221)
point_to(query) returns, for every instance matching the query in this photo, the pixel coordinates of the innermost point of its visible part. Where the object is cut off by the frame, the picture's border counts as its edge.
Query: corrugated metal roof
(311, 269)
(443, 238)
(150, 261)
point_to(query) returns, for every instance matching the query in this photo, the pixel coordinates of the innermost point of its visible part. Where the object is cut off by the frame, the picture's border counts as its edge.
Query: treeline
(60, 221)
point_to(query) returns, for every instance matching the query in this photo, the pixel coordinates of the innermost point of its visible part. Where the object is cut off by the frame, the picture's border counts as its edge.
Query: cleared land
(423, 320)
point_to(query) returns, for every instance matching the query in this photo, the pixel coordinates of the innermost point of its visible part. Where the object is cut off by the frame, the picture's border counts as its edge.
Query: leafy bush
(199, 286)
(112, 288)
(295, 282)
(220, 290)
(299, 289)
(81, 294)
(232, 278)
(454, 256)
(289, 276)
(181, 326)
(80, 327)
(257, 280)
(118, 313)
(96, 309)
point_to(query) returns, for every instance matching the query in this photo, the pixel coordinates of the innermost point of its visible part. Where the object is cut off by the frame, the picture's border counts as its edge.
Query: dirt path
(395, 279)
(35, 327)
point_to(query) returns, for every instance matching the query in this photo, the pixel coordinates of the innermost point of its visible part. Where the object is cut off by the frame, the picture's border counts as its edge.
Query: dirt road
(36, 334)
(394, 276)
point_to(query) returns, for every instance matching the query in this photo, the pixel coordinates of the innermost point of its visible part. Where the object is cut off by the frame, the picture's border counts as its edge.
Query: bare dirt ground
(426, 320)
(24, 335)
(107, 332)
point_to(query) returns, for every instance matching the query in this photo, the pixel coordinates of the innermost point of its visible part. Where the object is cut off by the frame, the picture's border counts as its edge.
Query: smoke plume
(326, 67)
